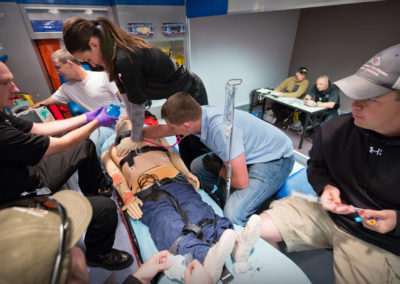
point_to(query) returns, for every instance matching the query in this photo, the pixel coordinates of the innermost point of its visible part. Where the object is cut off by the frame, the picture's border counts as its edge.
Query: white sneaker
(217, 255)
(246, 239)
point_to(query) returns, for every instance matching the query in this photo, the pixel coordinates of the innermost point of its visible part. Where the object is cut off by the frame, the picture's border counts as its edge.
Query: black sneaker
(106, 191)
(112, 260)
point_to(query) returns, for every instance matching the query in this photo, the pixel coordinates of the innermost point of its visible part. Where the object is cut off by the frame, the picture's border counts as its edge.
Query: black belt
(154, 193)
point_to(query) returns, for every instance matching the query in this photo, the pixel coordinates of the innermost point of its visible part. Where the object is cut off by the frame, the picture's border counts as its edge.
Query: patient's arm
(180, 166)
(132, 203)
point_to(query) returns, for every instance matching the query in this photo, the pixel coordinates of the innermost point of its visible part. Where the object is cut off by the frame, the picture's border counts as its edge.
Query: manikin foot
(217, 255)
(246, 239)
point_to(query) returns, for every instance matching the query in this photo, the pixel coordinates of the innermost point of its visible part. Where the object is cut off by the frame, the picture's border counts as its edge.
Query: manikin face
(380, 114)
(93, 56)
(322, 84)
(300, 76)
(7, 87)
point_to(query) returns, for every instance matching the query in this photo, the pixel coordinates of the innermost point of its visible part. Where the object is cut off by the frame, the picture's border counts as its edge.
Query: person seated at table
(292, 87)
(322, 94)
(157, 188)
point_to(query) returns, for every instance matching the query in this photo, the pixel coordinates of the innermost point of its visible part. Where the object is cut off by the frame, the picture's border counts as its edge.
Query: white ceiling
(251, 6)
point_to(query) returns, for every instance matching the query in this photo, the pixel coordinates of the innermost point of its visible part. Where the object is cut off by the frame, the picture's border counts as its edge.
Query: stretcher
(265, 263)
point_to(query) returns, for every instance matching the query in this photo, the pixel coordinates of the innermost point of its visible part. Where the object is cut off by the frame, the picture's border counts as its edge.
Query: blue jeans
(265, 179)
(166, 224)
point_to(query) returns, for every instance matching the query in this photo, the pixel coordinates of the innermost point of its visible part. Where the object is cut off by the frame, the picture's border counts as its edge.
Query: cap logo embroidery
(376, 61)
(370, 68)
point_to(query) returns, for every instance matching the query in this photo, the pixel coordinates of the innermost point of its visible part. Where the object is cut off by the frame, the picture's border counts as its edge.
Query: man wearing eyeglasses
(31, 157)
(88, 89)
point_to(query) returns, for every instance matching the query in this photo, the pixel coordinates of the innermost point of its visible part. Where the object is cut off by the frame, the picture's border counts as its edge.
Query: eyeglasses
(58, 67)
(50, 204)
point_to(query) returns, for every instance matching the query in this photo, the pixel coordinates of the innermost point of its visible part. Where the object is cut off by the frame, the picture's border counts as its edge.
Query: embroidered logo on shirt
(378, 151)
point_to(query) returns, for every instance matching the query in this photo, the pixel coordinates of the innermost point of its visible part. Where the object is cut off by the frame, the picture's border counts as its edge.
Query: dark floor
(317, 264)
(295, 137)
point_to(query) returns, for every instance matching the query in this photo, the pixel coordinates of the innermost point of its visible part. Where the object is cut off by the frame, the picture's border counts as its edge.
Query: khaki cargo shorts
(304, 225)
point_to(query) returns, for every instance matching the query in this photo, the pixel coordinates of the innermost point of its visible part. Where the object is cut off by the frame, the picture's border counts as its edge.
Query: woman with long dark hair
(142, 72)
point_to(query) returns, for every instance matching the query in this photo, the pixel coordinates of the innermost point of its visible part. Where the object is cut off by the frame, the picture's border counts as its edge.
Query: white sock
(246, 239)
(217, 255)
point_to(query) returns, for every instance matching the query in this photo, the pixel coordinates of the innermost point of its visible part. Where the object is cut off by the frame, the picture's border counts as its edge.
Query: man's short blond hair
(181, 107)
(63, 56)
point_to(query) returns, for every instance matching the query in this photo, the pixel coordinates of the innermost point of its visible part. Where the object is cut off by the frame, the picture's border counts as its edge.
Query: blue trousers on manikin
(166, 224)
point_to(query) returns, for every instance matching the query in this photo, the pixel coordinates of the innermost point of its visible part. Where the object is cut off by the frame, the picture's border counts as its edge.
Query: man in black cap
(291, 87)
(354, 167)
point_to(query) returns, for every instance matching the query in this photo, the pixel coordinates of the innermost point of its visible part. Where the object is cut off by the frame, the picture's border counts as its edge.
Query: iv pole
(230, 91)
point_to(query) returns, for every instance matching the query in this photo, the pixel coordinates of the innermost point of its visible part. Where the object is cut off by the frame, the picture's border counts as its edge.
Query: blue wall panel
(150, 2)
(204, 8)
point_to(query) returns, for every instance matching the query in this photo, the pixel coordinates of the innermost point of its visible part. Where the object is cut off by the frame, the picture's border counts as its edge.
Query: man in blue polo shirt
(261, 155)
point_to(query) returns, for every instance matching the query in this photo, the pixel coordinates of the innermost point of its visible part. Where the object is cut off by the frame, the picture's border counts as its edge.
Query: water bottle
(113, 110)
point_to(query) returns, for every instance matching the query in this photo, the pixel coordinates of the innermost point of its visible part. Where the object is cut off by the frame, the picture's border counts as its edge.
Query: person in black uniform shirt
(355, 161)
(142, 72)
(31, 159)
(322, 94)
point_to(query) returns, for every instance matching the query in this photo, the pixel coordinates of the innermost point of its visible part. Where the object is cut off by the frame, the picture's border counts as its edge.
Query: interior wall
(254, 47)
(157, 15)
(22, 56)
(337, 40)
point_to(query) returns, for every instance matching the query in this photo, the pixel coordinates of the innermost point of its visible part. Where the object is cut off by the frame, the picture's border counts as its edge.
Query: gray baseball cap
(379, 75)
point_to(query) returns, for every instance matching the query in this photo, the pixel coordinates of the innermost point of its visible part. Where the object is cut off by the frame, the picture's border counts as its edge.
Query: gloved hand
(104, 119)
(193, 180)
(132, 204)
(212, 163)
(125, 146)
(92, 114)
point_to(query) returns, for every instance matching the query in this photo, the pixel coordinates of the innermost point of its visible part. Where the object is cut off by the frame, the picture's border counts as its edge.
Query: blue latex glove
(104, 119)
(92, 114)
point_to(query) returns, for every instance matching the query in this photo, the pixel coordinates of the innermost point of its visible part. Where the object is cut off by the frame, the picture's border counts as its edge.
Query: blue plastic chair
(75, 109)
(297, 181)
